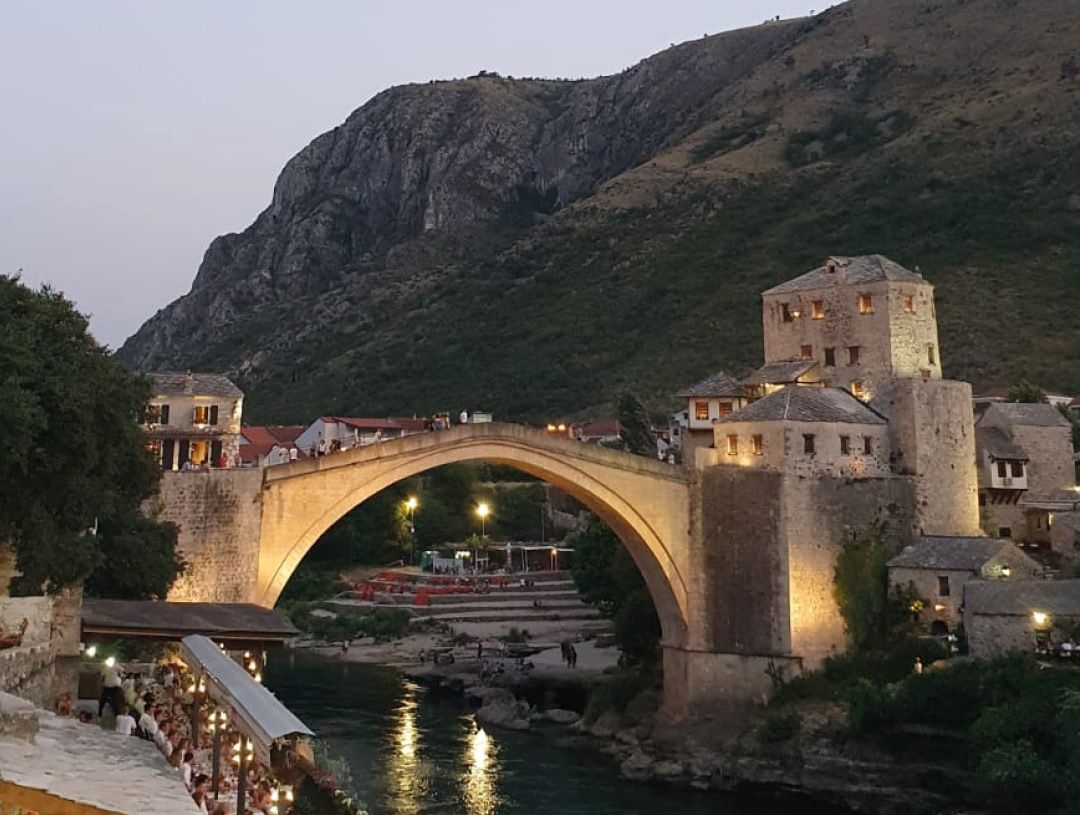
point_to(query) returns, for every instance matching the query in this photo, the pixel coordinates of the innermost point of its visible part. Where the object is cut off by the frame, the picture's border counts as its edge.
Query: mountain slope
(534, 246)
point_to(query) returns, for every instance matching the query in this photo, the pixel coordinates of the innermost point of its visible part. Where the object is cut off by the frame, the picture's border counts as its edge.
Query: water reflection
(482, 779)
(406, 781)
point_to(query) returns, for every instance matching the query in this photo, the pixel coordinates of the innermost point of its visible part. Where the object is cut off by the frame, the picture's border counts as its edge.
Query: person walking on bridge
(464, 417)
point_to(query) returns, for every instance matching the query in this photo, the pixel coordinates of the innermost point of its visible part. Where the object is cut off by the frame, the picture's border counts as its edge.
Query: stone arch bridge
(734, 597)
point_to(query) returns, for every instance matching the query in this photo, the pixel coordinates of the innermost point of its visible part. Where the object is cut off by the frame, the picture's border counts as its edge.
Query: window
(785, 309)
(931, 355)
(853, 354)
(808, 443)
(807, 351)
(845, 445)
(725, 409)
(1003, 469)
(866, 304)
(163, 417)
(1017, 469)
(213, 414)
(909, 303)
(701, 411)
(943, 586)
(1004, 531)
(982, 498)
(817, 309)
(733, 445)
(868, 445)
(830, 356)
(201, 414)
(858, 390)
(757, 444)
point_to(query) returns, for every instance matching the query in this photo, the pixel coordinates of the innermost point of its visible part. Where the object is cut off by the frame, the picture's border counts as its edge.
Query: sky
(134, 133)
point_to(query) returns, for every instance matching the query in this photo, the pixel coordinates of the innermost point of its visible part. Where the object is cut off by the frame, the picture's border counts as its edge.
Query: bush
(516, 635)
(617, 692)
(778, 727)
(382, 624)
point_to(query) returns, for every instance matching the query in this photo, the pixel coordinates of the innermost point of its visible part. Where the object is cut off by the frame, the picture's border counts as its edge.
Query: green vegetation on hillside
(73, 461)
(608, 578)
(652, 298)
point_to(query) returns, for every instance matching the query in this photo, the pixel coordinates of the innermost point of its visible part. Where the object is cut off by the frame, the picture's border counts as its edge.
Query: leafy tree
(72, 454)
(1024, 391)
(861, 587)
(608, 578)
(138, 559)
(635, 426)
(1074, 423)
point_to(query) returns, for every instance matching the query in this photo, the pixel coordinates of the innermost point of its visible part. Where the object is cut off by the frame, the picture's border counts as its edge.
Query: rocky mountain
(535, 246)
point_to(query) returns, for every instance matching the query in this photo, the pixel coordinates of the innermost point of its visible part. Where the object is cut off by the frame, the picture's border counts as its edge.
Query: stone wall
(933, 439)
(782, 448)
(770, 542)
(991, 635)
(817, 516)
(925, 582)
(218, 514)
(45, 665)
(892, 342)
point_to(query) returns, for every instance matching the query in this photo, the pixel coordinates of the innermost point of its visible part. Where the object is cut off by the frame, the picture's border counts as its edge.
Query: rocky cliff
(532, 246)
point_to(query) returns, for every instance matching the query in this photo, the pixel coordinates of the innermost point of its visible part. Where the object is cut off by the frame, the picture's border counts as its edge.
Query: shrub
(778, 727)
(516, 635)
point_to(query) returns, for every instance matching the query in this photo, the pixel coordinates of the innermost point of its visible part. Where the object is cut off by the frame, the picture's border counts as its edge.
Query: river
(413, 752)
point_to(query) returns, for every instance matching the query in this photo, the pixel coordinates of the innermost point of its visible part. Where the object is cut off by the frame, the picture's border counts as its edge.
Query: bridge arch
(643, 501)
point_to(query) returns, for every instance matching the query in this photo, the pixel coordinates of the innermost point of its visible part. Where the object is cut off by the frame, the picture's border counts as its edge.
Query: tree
(72, 455)
(1024, 391)
(608, 578)
(1074, 423)
(635, 426)
(861, 587)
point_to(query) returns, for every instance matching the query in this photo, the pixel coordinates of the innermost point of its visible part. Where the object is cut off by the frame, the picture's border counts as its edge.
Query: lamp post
(482, 510)
(411, 503)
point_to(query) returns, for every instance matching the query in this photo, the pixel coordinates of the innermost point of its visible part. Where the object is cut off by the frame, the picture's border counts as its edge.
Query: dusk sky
(136, 132)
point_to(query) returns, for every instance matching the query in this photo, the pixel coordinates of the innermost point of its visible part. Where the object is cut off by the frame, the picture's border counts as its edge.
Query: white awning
(259, 714)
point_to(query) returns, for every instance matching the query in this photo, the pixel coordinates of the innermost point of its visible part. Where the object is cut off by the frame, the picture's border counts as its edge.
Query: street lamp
(483, 510)
(411, 504)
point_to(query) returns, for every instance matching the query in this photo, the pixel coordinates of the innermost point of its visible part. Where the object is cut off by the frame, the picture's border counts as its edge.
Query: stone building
(848, 423)
(193, 420)
(1026, 616)
(864, 320)
(710, 399)
(1025, 459)
(938, 568)
(807, 431)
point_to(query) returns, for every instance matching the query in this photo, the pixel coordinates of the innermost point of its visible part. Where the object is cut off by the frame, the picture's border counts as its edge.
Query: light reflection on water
(412, 753)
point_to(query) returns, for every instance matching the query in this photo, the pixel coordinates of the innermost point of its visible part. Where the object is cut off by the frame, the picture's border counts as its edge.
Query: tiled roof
(799, 403)
(948, 554)
(1029, 414)
(172, 383)
(780, 373)
(719, 384)
(838, 271)
(1021, 597)
(998, 443)
(233, 620)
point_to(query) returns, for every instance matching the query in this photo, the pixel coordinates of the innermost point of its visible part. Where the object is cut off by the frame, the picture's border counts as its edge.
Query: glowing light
(1040, 618)
(412, 503)
(939, 607)
(1005, 571)
(91, 651)
(110, 661)
(551, 428)
(258, 678)
(480, 745)
(253, 665)
(483, 510)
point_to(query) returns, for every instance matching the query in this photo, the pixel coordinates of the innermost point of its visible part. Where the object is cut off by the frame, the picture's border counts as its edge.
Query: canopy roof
(258, 712)
(153, 619)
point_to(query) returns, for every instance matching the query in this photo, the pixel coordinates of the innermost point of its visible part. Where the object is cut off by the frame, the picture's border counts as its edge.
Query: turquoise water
(413, 752)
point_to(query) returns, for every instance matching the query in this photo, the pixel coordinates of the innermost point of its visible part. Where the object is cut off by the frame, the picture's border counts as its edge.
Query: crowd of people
(159, 707)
